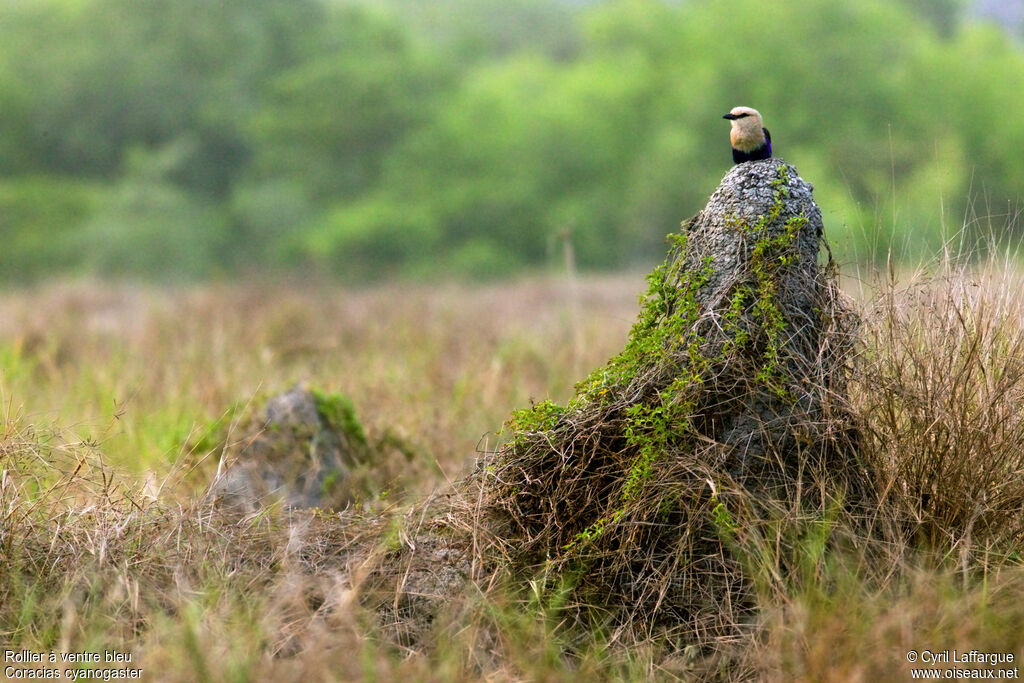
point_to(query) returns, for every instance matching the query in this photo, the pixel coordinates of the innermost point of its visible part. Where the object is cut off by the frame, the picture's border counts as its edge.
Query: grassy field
(109, 392)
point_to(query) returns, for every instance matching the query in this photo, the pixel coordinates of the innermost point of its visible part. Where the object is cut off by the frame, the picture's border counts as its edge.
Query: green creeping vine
(723, 521)
(769, 256)
(540, 417)
(669, 312)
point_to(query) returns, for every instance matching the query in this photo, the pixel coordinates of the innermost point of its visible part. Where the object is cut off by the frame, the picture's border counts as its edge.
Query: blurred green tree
(472, 137)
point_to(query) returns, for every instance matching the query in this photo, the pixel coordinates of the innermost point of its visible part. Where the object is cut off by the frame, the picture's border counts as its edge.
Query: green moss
(338, 411)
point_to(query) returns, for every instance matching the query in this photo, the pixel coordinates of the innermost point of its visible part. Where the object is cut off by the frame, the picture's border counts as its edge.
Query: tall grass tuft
(940, 396)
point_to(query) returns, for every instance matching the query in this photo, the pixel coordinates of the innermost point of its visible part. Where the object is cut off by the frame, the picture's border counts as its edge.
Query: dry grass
(941, 392)
(103, 547)
(142, 370)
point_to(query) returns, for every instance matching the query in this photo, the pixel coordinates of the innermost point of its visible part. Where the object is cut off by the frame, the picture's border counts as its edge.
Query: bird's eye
(742, 116)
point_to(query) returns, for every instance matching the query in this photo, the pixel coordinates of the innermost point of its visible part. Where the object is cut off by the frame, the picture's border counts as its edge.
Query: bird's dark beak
(731, 117)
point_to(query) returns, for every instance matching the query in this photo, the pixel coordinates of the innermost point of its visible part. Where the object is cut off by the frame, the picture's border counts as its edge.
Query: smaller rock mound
(300, 452)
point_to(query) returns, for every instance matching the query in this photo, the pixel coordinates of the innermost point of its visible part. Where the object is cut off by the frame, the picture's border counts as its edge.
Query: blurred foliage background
(179, 139)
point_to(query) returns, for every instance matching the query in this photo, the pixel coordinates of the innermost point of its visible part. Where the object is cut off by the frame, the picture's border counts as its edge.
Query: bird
(750, 140)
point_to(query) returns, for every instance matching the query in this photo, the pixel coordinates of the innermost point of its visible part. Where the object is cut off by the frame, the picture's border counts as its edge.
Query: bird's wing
(768, 138)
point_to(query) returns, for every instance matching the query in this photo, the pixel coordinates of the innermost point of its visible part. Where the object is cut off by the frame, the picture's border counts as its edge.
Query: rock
(727, 399)
(739, 215)
(761, 233)
(300, 452)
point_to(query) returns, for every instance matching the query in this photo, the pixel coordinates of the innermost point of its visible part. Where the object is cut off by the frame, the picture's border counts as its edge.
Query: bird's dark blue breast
(762, 152)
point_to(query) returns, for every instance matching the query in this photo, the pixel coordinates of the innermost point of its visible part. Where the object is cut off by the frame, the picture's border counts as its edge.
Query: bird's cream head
(747, 132)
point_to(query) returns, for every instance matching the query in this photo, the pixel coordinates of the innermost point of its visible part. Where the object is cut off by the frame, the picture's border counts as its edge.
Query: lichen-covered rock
(299, 452)
(728, 397)
(766, 301)
(767, 194)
